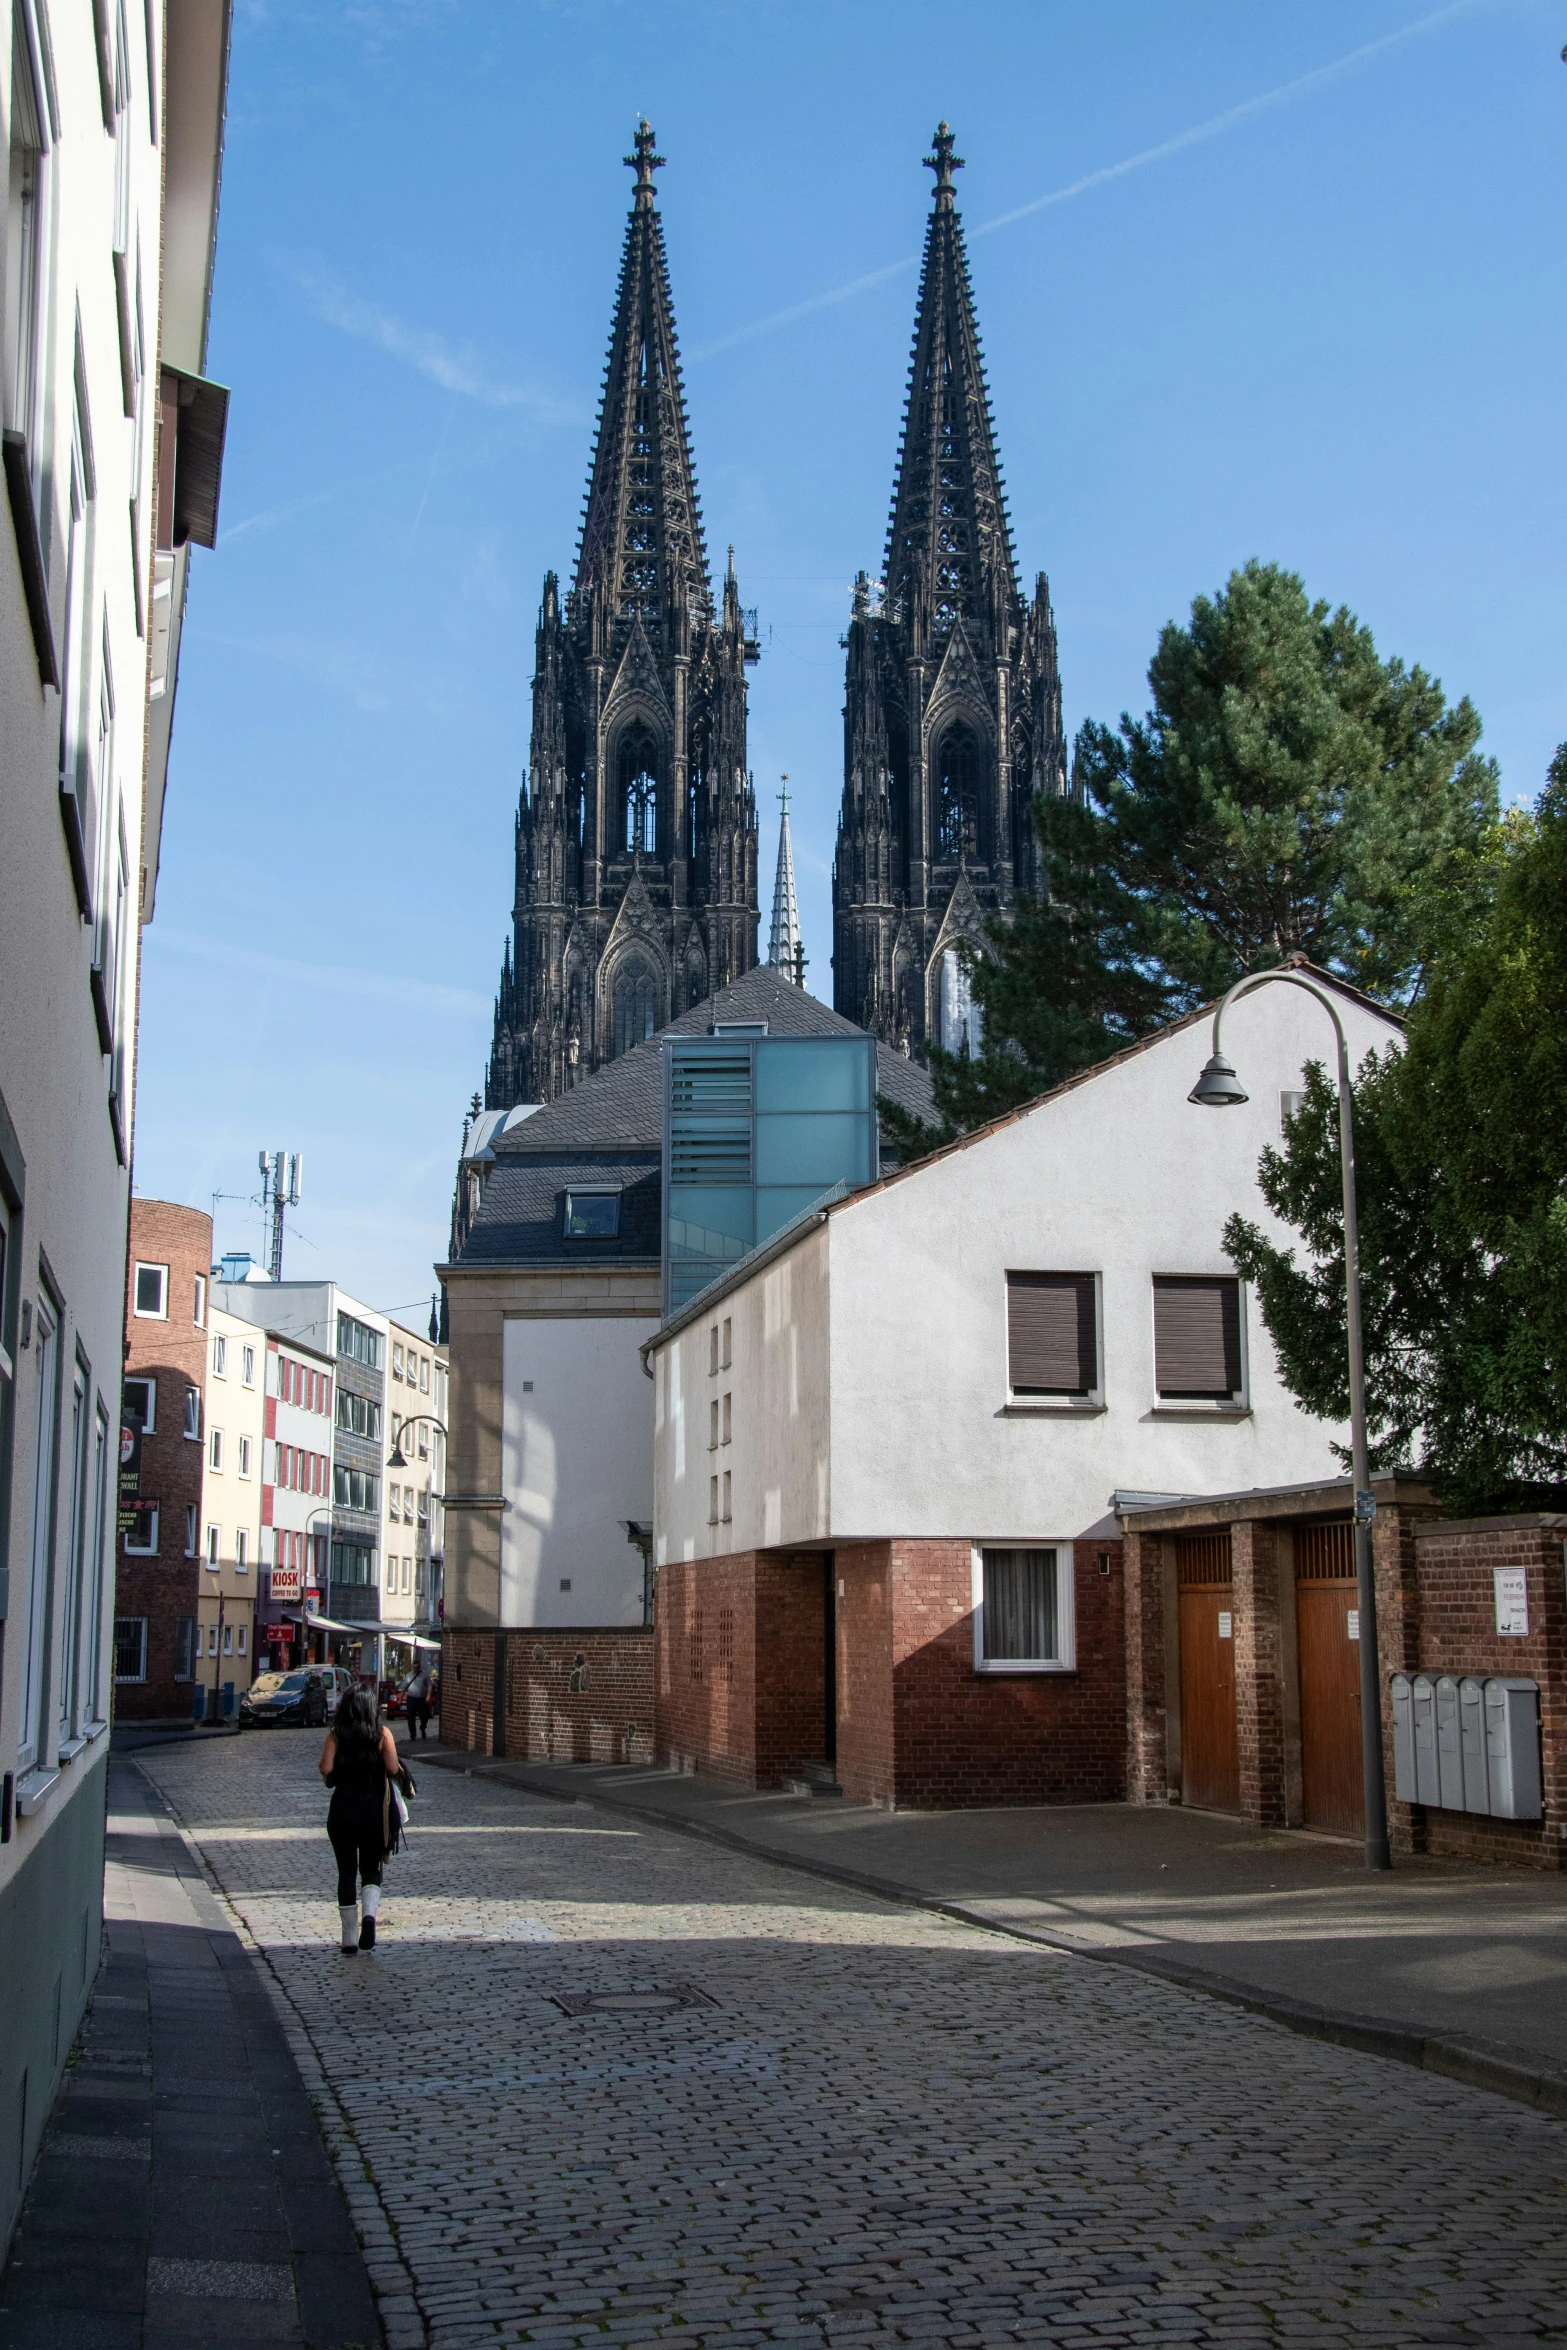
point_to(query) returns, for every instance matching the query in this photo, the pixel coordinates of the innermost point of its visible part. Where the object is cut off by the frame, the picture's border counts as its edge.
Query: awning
(404, 1632)
(331, 1624)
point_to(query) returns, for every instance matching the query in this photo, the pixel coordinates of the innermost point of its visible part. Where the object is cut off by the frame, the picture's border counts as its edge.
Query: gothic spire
(784, 944)
(949, 542)
(642, 529)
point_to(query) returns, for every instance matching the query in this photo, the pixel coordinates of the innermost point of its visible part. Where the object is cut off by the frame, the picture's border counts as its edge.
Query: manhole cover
(657, 1999)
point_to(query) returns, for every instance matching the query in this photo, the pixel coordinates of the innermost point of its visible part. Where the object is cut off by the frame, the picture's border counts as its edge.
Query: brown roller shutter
(1197, 1338)
(1051, 1344)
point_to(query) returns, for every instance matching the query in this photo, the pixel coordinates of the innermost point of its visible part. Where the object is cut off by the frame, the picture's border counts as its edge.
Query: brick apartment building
(157, 1604)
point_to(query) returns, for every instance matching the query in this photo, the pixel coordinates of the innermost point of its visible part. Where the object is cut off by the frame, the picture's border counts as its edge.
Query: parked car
(308, 1694)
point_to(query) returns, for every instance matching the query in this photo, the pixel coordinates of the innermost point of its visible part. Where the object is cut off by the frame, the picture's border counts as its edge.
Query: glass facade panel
(815, 1073)
(820, 1148)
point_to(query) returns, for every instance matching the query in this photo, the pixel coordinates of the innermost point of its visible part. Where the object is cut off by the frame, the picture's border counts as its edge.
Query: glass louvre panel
(1051, 1340)
(1020, 1624)
(1197, 1338)
(778, 1205)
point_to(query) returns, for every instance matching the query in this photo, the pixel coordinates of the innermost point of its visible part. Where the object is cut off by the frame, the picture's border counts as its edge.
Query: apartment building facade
(413, 1538)
(113, 120)
(163, 1446)
(232, 1497)
(297, 1498)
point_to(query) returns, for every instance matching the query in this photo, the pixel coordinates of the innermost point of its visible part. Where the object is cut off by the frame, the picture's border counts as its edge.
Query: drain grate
(652, 1999)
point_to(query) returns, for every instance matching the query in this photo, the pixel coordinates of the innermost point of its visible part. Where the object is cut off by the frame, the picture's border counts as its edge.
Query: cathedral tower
(952, 712)
(636, 831)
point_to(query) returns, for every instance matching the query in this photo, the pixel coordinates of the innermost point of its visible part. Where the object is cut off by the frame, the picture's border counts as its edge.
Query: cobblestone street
(874, 2126)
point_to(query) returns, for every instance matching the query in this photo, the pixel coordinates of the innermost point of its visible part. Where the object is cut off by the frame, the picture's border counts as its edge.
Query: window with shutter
(1052, 1335)
(1197, 1338)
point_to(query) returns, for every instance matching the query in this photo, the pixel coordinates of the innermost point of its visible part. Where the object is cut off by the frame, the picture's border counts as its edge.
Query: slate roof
(609, 1128)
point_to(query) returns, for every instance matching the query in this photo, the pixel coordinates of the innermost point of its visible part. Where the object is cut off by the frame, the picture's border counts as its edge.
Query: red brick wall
(571, 1696)
(1147, 1727)
(713, 1620)
(1259, 1683)
(791, 1650)
(867, 1767)
(963, 1737)
(1455, 1632)
(174, 1353)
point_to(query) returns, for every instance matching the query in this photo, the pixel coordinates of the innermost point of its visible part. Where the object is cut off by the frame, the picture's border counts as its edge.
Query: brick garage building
(159, 1564)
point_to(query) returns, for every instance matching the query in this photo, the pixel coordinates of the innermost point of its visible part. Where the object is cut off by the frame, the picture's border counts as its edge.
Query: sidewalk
(183, 2196)
(1461, 1971)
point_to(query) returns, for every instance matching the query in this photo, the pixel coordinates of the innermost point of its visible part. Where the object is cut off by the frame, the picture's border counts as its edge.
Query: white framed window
(228, 1640)
(712, 1501)
(76, 778)
(215, 1451)
(712, 1425)
(69, 1661)
(424, 1374)
(728, 1420)
(247, 1366)
(139, 1405)
(199, 1310)
(35, 1654)
(100, 1570)
(141, 1535)
(397, 1361)
(193, 1414)
(220, 1356)
(212, 1640)
(190, 1529)
(726, 1355)
(244, 1456)
(213, 1539)
(424, 1443)
(130, 1648)
(150, 1300)
(1199, 1341)
(27, 198)
(728, 1513)
(240, 1641)
(241, 1552)
(1024, 1612)
(1055, 1341)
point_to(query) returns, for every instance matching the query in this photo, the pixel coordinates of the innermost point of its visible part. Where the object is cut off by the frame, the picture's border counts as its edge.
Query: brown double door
(1326, 1616)
(1210, 1753)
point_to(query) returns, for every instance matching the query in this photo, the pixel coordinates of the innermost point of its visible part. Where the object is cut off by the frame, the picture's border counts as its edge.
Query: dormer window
(592, 1215)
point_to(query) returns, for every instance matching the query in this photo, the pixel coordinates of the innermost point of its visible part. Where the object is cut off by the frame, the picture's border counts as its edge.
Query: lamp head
(395, 1459)
(1218, 1088)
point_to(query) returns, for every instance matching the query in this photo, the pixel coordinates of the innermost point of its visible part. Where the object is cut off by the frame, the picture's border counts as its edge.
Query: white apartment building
(233, 1488)
(113, 120)
(413, 1541)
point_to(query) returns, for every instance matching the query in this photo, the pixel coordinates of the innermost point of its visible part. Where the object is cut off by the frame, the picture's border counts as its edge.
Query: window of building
(1053, 1337)
(727, 1355)
(592, 1215)
(727, 1511)
(220, 1357)
(77, 783)
(244, 1456)
(130, 1648)
(960, 1019)
(190, 1530)
(424, 1440)
(152, 1293)
(728, 1418)
(712, 1501)
(1198, 1350)
(228, 1640)
(193, 1414)
(958, 769)
(712, 1352)
(25, 240)
(184, 1648)
(424, 1374)
(635, 1005)
(199, 1312)
(212, 1640)
(397, 1360)
(215, 1451)
(712, 1425)
(639, 790)
(1023, 1609)
(100, 1569)
(212, 1547)
(360, 1343)
(141, 1535)
(1290, 1106)
(240, 1642)
(353, 1563)
(241, 1552)
(139, 1405)
(424, 1509)
(355, 1489)
(358, 1415)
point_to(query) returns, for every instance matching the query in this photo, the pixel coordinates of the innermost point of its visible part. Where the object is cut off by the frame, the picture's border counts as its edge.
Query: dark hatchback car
(308, 1694)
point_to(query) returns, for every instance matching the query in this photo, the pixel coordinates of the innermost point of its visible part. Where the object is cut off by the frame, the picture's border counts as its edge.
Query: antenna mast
(280, 1177)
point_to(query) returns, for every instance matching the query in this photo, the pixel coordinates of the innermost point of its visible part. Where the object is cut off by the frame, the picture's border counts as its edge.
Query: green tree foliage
(1461, 1147)
(1288, 792)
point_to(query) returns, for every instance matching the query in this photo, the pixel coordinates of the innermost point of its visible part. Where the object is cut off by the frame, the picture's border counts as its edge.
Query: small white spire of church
(785, 947)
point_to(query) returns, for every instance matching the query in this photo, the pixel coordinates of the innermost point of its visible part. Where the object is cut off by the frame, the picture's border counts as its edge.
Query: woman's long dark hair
(357, 1721)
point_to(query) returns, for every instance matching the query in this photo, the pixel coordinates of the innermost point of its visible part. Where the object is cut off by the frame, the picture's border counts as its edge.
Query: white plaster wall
(576, 1463)
(1120, 1176)
(776, 1380)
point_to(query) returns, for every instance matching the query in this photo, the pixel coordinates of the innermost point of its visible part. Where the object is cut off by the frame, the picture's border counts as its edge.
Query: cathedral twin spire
(636, 885)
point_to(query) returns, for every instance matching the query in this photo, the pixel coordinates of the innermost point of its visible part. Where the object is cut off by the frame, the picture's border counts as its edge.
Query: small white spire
(785, 948)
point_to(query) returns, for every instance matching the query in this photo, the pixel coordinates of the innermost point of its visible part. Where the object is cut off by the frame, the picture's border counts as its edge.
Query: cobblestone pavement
(886, 2128)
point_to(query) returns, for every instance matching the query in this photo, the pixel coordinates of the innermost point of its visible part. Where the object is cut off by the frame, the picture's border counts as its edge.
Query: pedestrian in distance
(359, 1763)
(416, 1696)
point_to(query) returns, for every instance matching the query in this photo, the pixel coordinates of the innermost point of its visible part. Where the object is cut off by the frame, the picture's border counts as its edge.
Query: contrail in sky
(1303, 86)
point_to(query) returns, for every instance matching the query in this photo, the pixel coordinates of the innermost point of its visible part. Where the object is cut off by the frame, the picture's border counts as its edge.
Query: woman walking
(359, 1762)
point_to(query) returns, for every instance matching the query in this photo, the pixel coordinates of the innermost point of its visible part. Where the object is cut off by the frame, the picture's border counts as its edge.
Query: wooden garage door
(1333, 1796)
(1210, 1757)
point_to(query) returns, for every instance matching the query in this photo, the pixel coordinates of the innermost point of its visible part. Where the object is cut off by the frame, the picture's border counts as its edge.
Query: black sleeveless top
(358, 1779)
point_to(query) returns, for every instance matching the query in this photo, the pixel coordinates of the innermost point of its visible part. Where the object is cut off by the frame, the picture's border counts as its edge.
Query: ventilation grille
(711, 1081)
(1325, 1554)
(1202, 1558)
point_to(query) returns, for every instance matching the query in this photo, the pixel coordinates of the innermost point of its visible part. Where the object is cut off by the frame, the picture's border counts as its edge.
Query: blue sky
(1279, 281)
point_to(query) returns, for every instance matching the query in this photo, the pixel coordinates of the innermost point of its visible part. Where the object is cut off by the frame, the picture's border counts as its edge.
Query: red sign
(285, 1583)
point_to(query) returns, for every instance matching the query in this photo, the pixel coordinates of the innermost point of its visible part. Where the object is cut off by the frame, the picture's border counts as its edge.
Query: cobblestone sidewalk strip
(889, 2127)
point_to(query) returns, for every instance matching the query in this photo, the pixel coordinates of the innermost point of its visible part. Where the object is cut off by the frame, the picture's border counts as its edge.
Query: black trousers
(418, 1718)
(356, 1840)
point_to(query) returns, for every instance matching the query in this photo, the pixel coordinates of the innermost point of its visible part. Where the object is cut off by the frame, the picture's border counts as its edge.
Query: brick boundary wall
(739, 1671)
(570, 1695)
(1454, 1631)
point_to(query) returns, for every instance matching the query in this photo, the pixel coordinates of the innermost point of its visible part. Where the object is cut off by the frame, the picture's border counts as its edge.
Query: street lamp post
(1219, 1088)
